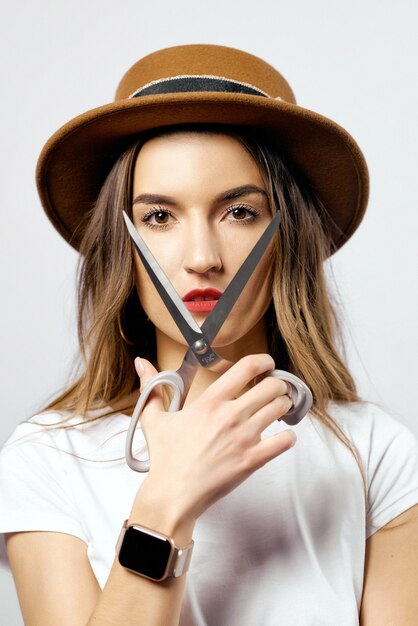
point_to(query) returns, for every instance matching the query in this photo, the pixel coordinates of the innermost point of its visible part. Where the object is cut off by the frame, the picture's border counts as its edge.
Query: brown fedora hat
(200, 84)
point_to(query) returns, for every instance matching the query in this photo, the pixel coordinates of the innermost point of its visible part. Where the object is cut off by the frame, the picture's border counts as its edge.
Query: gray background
(354, 61)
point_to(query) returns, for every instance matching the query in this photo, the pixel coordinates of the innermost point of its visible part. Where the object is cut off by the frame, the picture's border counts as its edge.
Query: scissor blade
(218, 315)
(187, 325)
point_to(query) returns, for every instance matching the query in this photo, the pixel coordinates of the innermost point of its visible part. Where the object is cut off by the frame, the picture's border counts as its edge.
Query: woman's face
(199, 203)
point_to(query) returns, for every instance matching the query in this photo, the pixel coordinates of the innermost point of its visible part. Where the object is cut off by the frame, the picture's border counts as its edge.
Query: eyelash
(253, 214)
(146, 218)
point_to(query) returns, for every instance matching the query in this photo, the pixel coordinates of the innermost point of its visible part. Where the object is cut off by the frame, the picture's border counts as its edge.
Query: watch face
(145, 554)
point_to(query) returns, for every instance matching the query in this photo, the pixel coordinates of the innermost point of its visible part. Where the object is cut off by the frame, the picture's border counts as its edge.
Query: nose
(202, 249)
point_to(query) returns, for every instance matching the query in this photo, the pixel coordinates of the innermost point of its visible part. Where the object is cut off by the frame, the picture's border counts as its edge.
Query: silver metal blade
(218, 315)
(187, 325)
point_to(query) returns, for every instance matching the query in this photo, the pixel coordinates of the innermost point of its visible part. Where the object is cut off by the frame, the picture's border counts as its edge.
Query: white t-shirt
(286, 547)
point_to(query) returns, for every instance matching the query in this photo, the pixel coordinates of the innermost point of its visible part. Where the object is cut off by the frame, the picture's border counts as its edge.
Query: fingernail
(139, 365)
(293, 437)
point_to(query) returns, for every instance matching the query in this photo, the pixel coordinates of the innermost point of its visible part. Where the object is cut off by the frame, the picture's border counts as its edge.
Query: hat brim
(74, 163)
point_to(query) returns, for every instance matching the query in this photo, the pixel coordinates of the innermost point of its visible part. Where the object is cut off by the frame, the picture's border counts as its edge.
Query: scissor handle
(301, 396)
(176, 384)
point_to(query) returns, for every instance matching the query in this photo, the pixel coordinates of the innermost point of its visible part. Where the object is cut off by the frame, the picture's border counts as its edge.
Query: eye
(241, 213)
(160, 217)
(157, 218)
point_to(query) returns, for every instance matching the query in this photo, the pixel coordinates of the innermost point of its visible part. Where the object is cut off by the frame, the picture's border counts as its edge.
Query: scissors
(200, 338)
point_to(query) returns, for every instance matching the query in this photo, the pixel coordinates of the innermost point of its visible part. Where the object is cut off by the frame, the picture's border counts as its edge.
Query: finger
(146, 371)
(232, 382)
(264, 392)
(272, 447)
(271, 412)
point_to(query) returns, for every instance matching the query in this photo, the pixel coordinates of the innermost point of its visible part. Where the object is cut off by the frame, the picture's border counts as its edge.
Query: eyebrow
(243, 190)
(230, 194)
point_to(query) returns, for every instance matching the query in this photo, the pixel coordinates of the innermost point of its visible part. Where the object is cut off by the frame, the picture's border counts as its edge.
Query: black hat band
(190, 83)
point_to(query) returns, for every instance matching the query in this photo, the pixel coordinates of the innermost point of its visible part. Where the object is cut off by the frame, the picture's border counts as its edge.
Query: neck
(170, 354)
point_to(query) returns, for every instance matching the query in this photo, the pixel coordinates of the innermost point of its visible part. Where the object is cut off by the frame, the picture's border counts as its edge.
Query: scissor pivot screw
(200, 346)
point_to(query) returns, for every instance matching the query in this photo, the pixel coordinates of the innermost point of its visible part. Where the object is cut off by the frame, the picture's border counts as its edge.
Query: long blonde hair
(303, 326)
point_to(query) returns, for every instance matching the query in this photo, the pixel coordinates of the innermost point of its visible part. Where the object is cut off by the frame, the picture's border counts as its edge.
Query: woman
(201, 147)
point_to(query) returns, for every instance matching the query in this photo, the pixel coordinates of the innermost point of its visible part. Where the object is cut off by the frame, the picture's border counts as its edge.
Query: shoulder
(370, 428)
(372, 431)
(383, 443)
(52, 433)
(354, 415)
(48, 466)
(388, 453)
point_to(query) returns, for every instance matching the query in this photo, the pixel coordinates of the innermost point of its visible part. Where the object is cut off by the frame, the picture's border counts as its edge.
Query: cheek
(151, 302)
(263, 289)
(147, 293)
(255, 299)
(261, 282)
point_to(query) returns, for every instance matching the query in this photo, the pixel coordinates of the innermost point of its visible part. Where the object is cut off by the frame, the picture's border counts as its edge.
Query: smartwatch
(151, 554)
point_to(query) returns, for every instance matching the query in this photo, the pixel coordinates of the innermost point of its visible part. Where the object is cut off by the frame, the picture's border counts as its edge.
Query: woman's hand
(204, 451)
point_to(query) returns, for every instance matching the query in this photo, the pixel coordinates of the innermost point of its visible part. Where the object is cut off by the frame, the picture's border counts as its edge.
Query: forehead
(191, 159)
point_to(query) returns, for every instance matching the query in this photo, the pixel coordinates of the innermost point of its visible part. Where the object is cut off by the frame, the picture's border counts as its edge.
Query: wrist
(162, 513)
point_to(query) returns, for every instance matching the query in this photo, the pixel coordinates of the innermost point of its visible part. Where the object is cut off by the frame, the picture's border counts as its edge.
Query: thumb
(146, 371)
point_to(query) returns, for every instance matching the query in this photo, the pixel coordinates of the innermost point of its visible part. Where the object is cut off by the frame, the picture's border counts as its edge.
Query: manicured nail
(293, 437)
(139, 366)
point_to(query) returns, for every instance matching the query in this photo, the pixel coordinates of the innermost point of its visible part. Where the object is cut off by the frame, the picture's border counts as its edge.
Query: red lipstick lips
(201, 300)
